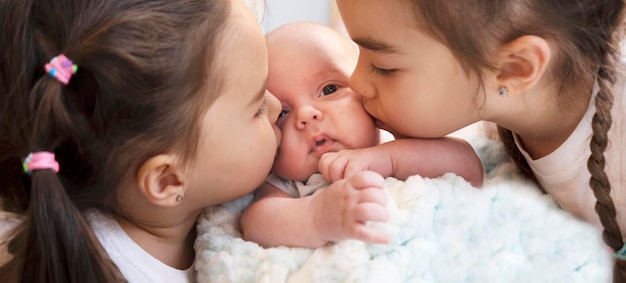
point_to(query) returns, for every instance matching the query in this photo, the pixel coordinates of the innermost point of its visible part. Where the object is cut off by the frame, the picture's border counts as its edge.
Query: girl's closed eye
(263, 108)
(382, 72)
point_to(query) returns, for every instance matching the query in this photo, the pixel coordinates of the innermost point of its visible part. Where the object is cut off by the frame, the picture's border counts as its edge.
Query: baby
(309, 70)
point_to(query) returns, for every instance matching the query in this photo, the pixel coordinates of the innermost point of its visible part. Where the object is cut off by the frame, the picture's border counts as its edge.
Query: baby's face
(320, 112)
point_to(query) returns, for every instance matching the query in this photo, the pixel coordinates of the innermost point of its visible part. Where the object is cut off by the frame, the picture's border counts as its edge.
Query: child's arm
(405, 157)
(338, 212)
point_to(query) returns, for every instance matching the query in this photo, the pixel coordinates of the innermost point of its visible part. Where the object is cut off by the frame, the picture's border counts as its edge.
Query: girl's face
(309, 74)
(411, 82)
(239, 139)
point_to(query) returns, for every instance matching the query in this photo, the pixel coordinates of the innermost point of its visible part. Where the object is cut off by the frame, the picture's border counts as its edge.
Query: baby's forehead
(322, 45)
(311, 36)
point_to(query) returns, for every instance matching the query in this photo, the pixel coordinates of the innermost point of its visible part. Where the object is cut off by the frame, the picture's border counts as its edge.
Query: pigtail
(55, 243)
(601, 123)
(599, 182)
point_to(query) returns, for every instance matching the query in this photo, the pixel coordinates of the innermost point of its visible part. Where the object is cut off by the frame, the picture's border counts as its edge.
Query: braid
(601, 124)
(599, 183)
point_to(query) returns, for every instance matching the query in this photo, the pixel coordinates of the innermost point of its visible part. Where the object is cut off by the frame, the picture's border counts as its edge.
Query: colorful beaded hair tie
(42, 160)
(61, 68)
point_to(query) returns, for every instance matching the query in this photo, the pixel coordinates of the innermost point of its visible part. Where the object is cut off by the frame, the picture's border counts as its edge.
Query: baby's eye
(329, 89)
(282, 113)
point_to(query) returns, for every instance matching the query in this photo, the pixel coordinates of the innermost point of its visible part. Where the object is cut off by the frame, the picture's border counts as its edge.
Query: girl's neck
(544, 120)
(168, 240)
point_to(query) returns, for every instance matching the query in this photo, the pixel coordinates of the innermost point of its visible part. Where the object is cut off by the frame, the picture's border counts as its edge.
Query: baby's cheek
(292, 167)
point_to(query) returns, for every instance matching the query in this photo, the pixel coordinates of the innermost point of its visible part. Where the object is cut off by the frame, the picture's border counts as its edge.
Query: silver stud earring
(502, 91)
(180, 197)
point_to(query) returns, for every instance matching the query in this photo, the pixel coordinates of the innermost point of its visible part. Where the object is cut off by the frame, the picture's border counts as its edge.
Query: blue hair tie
(621, 254)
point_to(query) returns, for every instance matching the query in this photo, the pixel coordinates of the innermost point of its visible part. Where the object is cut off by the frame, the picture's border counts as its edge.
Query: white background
(278, 12)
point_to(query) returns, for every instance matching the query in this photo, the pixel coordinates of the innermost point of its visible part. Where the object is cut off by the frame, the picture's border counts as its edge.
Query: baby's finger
(372, 195)
(352, 168)
(331, 166)
(366, 234)
(367, 179)
(370, 211)
(324, 164)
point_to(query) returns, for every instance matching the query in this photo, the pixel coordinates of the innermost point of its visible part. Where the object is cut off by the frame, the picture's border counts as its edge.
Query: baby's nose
(308, 115)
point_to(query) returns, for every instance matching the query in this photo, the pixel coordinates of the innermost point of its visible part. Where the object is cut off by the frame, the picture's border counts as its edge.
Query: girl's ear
(522, 62)
(161, 181)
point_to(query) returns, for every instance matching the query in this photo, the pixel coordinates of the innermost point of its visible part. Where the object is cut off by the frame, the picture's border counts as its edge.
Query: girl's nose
(359, 80)
(273, 106)
(307, 115)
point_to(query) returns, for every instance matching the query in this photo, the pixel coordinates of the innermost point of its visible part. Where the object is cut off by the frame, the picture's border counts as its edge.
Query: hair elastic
(621, 254)
(41, 160)
(61, 68)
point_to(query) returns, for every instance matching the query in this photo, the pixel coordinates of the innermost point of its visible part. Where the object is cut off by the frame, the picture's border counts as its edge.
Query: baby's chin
(294, 175)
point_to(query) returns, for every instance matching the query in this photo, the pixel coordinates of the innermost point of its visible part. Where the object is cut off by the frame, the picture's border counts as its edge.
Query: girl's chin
(381, 125)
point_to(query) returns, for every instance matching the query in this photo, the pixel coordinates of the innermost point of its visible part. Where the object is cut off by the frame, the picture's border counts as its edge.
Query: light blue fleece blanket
(443, 230)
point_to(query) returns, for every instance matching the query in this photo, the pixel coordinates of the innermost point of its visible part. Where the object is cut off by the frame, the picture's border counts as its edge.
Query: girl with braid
(120, 121)
(548, 73)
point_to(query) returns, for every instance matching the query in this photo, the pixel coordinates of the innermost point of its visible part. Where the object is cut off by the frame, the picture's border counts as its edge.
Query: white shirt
(135, 263)
(564, 174)
(298, 189)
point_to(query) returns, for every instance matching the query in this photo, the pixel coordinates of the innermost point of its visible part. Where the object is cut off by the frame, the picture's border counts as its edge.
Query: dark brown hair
(587, 33)
(145, 76)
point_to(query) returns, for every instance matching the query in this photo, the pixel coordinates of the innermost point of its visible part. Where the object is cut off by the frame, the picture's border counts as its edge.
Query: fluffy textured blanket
(443, 230)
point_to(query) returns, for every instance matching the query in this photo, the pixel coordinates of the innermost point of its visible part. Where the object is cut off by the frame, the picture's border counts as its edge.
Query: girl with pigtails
(120, 120)
(549, 74)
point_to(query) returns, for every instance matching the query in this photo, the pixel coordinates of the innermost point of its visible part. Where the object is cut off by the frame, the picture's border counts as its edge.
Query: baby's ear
(161, 180)
(522, 62)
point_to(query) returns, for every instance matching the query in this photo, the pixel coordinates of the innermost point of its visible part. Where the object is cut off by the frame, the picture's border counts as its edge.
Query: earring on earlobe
(502, 91)
(180, 197)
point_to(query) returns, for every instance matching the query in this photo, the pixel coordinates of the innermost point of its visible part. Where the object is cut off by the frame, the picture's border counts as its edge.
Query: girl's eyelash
(262, 109)
(381, 72)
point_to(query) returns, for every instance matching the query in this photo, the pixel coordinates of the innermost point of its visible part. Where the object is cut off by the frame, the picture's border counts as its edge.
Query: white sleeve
(286, 186)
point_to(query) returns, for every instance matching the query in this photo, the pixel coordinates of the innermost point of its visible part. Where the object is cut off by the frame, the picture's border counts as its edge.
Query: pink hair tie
(61, 68)
(41, 160)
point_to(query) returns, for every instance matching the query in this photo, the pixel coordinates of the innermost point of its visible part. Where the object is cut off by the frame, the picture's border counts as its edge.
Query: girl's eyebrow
(375, 45)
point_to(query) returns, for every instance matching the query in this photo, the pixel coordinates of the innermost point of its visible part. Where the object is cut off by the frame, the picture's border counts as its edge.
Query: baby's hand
(345, 163)
(342, 210)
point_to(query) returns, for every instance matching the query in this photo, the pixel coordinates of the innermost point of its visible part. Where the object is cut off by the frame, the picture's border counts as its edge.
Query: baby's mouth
(321, 143)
